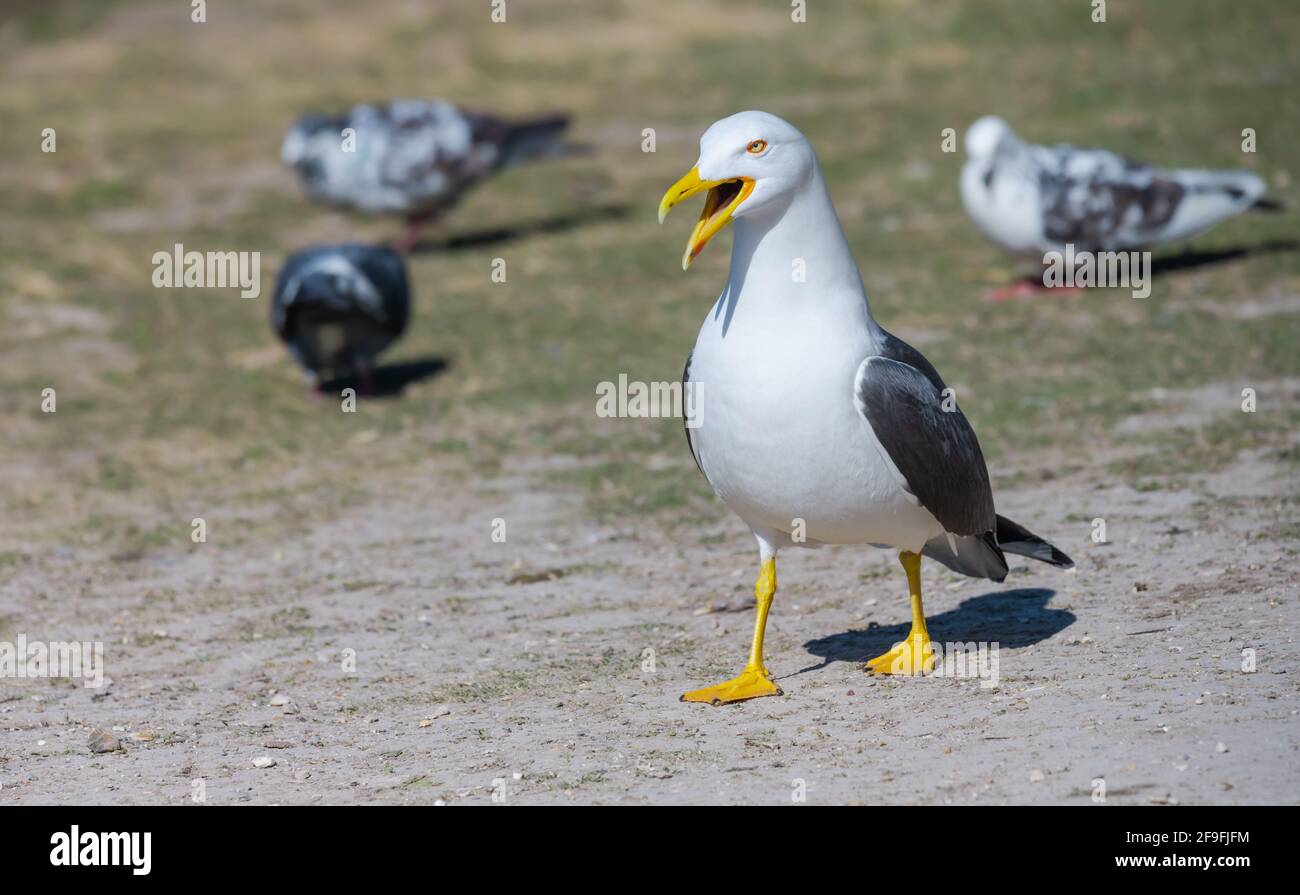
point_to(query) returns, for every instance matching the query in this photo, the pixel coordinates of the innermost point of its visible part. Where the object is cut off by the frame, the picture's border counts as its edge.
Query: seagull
(1031, 200)
(338, 306)
(414, 158)
(813, 423)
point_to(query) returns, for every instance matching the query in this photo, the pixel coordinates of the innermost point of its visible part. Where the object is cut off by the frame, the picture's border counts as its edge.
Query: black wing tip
(1269, 205)
(1040, 550)
(1015, 538)
(1059, 559)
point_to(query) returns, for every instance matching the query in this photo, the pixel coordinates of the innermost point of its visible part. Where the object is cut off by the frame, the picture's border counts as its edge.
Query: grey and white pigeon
(1032, 199)
(414, 158)
(338, 306)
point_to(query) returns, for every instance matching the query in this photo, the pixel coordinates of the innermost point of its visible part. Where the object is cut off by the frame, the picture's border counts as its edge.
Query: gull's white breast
(781, 438)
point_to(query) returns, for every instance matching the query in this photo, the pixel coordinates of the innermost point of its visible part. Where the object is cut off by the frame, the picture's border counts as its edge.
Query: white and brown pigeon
(414, 158)
(1031, 199)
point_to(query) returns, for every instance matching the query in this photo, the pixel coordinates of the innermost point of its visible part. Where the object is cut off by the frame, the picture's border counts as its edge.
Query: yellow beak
(724, 198)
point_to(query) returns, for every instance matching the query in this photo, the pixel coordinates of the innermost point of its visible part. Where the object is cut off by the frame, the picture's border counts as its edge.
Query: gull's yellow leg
(755, 680)
(915, 655)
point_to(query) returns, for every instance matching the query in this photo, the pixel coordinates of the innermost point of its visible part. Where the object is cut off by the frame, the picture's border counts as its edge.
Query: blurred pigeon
(337, 307)
(415, 158)
(1035, 199)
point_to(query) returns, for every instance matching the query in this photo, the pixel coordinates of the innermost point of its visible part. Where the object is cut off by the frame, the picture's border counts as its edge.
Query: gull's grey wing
(690, 442)
(894, 348)
(935, 449)
(901, 395)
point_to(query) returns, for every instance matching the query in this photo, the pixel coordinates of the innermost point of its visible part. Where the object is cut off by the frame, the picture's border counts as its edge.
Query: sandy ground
(475, 682)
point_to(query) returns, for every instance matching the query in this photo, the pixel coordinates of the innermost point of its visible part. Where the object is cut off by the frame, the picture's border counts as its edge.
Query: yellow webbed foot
(749, 684)
(915, 655)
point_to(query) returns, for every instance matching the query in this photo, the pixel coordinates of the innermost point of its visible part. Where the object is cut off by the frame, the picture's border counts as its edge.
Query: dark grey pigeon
(1036, 199)
(337, 307)
(414, 158)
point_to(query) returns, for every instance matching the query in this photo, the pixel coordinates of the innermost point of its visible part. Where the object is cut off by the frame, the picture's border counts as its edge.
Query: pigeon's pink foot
(1026, 288)
(366, 381)
(411, 238)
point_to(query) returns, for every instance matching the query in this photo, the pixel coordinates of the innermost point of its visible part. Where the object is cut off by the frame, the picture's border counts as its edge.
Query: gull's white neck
(793, 257)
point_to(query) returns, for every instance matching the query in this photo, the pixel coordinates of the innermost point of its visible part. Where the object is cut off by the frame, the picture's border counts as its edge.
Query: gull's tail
(1013, 538)
(983, 556)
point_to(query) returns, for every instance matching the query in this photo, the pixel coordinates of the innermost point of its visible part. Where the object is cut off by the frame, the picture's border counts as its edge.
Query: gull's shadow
(1191, 259)
(1012, 618)
(390, 380)
(460, 242)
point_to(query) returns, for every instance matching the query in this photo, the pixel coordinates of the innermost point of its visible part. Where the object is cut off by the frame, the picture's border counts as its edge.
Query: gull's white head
(985, 135)
(747, 162)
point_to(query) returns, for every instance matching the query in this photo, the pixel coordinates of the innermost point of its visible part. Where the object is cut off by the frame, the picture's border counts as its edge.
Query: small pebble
(264, 761)
(103, 741)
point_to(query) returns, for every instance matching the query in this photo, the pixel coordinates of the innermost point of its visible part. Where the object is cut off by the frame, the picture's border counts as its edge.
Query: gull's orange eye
(756, 147)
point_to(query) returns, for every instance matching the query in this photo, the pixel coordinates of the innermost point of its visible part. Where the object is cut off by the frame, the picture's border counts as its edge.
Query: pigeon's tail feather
(538, 138)
(1016, 539)
(1270, 205)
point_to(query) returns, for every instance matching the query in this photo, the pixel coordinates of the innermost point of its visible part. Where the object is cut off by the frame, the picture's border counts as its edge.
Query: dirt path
(467, 685)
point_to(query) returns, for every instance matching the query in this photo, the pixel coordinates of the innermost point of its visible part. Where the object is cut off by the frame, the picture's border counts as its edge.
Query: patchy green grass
(1214, 446)
(168, 131)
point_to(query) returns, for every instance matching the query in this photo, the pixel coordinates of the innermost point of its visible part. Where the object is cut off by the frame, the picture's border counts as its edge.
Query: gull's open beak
(724, 198)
